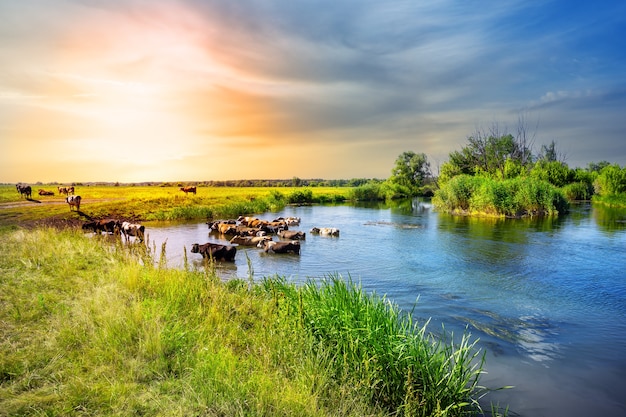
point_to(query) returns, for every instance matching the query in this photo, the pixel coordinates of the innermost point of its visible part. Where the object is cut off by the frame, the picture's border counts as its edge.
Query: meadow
(94, 327)
(146, 203)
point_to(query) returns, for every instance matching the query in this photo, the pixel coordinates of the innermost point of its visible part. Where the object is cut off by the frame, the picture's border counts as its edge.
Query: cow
(70, 190)
(73, 201)
(289, 221)
(270, 246)
(104, 225)
(291, 234)
(129, 229)
(189, 189)
(44, 192)
(24, 190)
(62, 190)
(325, 231)
(249, 240)
(215, 251)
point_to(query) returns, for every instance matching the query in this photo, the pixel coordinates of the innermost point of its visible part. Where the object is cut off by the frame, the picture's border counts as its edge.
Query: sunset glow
(164, 91)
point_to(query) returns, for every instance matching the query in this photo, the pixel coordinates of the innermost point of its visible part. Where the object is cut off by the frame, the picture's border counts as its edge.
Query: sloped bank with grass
(91, 327)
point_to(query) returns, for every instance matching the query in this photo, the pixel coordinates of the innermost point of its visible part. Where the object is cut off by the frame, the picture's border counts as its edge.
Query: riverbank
(96, 327)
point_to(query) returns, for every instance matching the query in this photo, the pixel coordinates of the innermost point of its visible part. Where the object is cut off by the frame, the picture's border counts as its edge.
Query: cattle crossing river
(546, 298)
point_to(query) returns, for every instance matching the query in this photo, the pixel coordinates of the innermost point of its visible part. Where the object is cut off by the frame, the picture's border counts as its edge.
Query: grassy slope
(87, 330)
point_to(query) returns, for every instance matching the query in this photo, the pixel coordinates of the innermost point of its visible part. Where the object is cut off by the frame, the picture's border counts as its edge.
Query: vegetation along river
(546, 297)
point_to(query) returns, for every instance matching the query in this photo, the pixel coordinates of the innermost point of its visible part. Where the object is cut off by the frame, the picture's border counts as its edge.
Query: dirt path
(30, 202)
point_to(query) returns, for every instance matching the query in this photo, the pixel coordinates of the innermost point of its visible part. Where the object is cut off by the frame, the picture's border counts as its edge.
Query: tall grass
(370, 345)
(88, 328)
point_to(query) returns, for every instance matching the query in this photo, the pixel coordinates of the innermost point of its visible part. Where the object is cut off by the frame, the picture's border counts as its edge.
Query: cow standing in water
(73, 201)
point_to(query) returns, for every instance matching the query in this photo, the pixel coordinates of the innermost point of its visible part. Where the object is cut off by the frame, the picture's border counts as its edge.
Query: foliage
(611, 180)
(578, 191)
(367, 192)
(488, 153)
(300, 197)
(516, 197)
(410, 170)
(365, 342)
(555, 172)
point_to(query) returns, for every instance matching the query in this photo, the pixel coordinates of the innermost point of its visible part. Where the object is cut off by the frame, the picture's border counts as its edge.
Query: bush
(578, 191)
(515, 197)
(300, 197)
(367, 192)
(611, 180)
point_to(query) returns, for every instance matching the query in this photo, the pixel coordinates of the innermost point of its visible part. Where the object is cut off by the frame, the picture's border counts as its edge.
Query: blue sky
(191, 89)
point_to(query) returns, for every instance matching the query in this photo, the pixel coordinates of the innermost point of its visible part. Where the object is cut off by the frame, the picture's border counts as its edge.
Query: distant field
(151, 202)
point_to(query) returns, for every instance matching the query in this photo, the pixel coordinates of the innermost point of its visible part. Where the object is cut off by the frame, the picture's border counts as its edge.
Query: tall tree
(411, 169)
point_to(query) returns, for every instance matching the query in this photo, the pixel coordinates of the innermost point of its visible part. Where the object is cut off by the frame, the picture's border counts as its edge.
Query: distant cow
(24, 190)
(62, 190)
(249, 240)
(103, 226)
(270, 246)
(325, 231)
(129, 229)
(73, 201)
(188, 190)
(291, 234)
(44, 192)
(215, 251)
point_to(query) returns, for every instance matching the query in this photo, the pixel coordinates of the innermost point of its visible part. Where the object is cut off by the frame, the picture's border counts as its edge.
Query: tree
(491, 152)
(410, 170)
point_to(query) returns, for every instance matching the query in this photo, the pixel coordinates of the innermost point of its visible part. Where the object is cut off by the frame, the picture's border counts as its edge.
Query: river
(545, 297)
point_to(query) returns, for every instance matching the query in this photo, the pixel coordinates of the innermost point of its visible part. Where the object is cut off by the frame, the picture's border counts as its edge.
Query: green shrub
(367, 192)
(487, 196)
(300, 197)
(578, 191)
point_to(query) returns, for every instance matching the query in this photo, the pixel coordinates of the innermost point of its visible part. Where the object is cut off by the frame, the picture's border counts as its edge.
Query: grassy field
(154, 203)
(94, 327)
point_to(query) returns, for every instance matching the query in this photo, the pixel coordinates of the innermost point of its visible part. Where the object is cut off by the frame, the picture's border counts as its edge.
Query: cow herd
(255, 232)
(117, 227)
(72, 200)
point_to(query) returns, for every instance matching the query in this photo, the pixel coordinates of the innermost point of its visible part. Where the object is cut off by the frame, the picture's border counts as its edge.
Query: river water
(545, 297)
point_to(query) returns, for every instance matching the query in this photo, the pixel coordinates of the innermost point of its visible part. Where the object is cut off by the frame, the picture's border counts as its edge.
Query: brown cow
(189, 189)
(104, 225)
(44, 192)
(215, 251)
(291, 234)
(249, 240)
(293, 246)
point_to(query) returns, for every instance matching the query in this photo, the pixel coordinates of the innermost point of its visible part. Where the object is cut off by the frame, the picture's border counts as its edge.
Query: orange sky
(128, 91)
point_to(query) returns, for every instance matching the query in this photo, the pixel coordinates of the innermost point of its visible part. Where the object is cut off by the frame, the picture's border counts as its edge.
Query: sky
(192, 90)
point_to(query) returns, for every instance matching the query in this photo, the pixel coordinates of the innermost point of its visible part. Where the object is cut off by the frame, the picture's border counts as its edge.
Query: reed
(368, 344)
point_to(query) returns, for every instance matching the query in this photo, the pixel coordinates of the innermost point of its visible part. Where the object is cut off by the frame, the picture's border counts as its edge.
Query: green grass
(90, 327)
(483, 196)
(159, 203)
